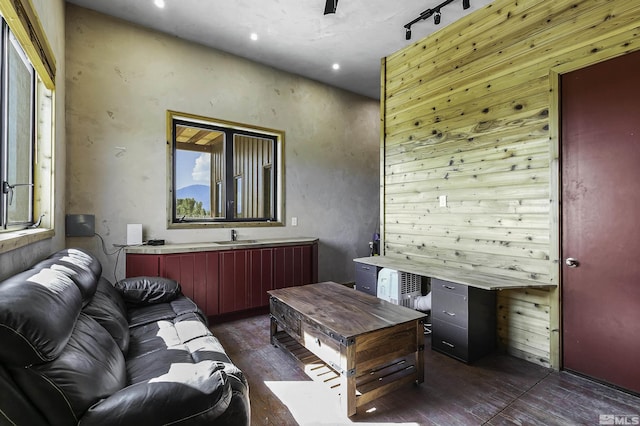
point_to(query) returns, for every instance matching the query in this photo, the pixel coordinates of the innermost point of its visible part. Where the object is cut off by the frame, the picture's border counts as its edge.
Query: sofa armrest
(148, 290)
(201, 400)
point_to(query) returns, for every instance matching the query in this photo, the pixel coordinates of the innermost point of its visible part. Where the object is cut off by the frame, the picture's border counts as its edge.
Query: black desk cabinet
(367, 278)
(463, 320)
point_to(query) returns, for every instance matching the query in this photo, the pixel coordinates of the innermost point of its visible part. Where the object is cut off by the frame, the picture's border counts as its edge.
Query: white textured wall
(121, 79)
(51, 14)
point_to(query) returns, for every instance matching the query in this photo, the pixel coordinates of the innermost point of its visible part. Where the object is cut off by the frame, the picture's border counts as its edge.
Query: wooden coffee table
(374, 346)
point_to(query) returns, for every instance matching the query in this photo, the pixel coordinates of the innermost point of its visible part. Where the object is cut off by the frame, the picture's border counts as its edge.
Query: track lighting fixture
(330, 6)
(435, 12)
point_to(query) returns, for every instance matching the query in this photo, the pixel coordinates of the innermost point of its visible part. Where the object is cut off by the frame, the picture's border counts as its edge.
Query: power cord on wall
(117, 252)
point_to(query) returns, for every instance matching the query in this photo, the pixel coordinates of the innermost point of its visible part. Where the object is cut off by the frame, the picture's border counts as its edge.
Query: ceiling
(295, 35)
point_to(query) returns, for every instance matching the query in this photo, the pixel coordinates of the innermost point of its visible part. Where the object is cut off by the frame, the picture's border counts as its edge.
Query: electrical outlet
(443, 201)
(294, 221)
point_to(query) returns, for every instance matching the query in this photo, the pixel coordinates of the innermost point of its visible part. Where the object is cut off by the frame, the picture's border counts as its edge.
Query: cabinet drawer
(367, 278)
(443, 286)
(324, 347)
(450, 339)
(450, 307)
(370, 288)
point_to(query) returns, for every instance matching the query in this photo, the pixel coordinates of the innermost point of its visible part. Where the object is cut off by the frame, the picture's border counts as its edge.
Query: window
(17, 138)
(223, 172)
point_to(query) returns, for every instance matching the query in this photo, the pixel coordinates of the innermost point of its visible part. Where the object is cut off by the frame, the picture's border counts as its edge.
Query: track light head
(408, 33)
(330, 6)
(466, 4)
(436, 17)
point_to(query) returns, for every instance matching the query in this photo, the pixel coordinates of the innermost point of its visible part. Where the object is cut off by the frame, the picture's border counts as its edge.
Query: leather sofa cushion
(82, 267)
(164, 363)
(185, 393)
(148, 290)
(90, 368)
(80, 257)
(108, 309)
(152, 340)
(141, 315)
(38, 310)
(15, 407)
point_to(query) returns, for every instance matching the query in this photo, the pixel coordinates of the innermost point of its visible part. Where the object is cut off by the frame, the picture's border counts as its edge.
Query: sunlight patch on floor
(312, 403)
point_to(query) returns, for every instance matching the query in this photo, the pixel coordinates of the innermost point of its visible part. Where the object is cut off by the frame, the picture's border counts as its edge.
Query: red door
(600, 221)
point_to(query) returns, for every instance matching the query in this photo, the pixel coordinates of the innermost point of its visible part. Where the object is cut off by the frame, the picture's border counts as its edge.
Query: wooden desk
(375, 346)
(470, 278)
(463, 324)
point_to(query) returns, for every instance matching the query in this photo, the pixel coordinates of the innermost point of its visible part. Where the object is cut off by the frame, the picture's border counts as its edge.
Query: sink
(236, 242)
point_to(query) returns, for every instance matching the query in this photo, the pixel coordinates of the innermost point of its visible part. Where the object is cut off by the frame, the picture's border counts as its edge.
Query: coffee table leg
(348, 380)
(273, 330)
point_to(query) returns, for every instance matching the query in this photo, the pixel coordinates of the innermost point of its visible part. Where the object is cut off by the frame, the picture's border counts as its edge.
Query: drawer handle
(317, 341)
(448, 344)
(366, 268)
(451, 314)
(366, 288)
(448, 287)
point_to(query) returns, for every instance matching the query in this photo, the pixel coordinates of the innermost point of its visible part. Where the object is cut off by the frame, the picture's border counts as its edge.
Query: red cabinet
(245, 278)
(198, 275)
(292, 265)
(139, 265)
(260, 277)
(222, 282)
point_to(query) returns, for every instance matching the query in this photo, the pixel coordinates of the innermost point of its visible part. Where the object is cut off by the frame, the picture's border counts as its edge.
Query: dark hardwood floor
(496, 390)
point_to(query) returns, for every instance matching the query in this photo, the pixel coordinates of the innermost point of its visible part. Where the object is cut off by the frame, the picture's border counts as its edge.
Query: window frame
(10, 190)
(229, 129)
(26, 27)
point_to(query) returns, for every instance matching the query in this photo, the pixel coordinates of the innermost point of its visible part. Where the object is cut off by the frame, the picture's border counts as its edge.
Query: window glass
(18, 134)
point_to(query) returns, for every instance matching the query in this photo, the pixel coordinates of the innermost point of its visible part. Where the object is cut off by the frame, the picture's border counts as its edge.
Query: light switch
(443, 201)
(294, 221)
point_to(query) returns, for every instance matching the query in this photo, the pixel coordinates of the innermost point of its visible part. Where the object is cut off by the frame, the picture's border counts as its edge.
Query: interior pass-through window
(224, 172)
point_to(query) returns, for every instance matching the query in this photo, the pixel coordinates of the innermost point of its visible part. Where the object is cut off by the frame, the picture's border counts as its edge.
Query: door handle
(571, 262)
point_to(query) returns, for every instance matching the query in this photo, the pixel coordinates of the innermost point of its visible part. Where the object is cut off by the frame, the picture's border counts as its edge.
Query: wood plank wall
(470, 112)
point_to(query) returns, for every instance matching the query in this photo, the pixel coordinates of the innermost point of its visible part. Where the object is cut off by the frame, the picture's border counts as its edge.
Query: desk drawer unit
(367, 278)
(451, 308)
(450, 339)
(464, 320)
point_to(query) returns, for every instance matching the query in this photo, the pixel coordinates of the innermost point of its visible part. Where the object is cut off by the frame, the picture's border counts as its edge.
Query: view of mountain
(198, 192)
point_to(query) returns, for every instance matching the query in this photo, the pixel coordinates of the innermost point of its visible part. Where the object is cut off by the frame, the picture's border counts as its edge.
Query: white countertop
(219, 245)
(470, 278)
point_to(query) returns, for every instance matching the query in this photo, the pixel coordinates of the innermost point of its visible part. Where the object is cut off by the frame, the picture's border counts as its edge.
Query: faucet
(234, 235)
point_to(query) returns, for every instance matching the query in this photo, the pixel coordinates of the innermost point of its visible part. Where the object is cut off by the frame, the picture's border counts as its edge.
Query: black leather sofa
(75, 349)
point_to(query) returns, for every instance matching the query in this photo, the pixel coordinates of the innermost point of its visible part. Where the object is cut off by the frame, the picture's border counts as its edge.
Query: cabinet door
(233, 281)
(183, 268)
(142, 265)
(261, 277)
(213, 283)
(292, 266)
(197, 274)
